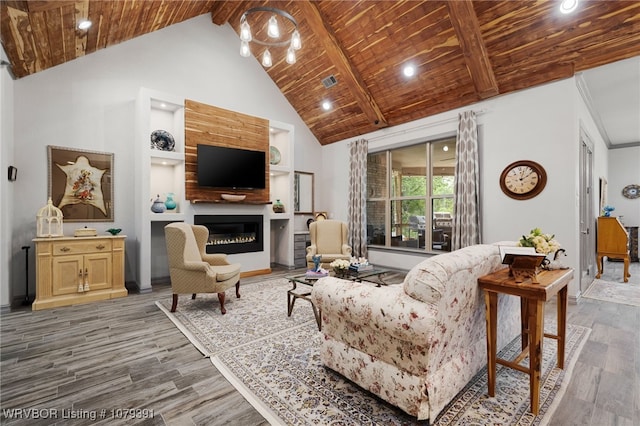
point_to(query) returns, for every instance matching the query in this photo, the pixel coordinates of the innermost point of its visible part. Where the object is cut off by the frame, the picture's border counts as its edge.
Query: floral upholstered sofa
(418, 343)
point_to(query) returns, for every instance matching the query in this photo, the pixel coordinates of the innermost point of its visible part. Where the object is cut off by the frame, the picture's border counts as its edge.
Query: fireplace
(232, 234)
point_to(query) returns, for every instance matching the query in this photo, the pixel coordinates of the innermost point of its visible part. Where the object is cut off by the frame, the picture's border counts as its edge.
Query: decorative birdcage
(49, 221)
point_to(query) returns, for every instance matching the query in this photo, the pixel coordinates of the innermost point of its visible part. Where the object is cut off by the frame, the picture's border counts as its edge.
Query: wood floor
(105, 358)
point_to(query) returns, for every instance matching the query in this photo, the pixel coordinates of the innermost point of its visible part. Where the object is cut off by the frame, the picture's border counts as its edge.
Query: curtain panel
(357, 209)
(466, 218)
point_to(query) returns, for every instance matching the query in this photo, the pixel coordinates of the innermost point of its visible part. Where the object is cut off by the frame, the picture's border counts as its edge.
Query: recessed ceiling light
(568, 6)
(409, 70)
(84, 24)
(445, 148)
(326, 105)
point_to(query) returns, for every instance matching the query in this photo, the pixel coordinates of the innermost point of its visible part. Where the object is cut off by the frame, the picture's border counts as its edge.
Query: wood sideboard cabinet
(74, 270)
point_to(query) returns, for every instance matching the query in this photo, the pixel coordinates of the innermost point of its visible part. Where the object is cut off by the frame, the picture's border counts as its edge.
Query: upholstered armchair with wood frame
(194, 271)
(329, 240)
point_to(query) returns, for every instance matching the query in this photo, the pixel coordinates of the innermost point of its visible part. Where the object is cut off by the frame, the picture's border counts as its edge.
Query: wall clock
(523, 179)
(631, 191)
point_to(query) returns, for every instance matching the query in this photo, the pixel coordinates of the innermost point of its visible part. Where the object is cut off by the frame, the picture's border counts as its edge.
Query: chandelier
(272, 38)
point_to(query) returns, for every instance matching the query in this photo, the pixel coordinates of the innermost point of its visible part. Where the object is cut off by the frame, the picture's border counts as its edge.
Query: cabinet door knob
(100, 246)
(65, 249)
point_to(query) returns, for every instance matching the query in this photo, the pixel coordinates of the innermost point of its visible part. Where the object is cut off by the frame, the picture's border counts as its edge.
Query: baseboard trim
(255, 273)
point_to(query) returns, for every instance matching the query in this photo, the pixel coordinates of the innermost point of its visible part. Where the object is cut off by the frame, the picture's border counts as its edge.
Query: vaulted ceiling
(464, 51)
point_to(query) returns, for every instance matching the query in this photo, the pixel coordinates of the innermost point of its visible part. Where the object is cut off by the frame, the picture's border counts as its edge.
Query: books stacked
(360, 267)
(317, 274)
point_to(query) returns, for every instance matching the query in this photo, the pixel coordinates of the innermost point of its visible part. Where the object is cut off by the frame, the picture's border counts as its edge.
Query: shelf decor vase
(278, 207)
(170, 203)
(158, 205)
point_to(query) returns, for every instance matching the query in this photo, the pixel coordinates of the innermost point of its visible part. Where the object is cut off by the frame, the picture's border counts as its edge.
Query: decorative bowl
(233, 197)
(114, 231)
(340, 272)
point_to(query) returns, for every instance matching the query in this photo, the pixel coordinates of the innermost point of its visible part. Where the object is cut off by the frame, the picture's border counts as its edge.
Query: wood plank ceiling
(464, 51)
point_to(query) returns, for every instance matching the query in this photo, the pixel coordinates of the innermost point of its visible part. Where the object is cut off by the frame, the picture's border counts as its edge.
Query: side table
(532, 300)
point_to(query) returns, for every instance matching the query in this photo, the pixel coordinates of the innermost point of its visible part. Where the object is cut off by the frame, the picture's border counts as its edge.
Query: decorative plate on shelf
(162, 140)
(274, 155)
(631, 191)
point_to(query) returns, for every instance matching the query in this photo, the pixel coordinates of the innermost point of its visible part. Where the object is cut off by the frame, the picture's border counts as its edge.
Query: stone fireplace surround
(231, 234)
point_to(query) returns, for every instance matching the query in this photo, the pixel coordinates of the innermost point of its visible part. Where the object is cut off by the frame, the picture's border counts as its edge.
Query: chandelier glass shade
(280, 25)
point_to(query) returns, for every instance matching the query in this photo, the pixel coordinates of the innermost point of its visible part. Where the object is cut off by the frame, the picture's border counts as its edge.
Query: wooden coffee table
(292, 294)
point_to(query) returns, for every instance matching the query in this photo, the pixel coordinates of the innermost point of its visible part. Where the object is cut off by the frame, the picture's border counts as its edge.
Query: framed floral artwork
(81, 184)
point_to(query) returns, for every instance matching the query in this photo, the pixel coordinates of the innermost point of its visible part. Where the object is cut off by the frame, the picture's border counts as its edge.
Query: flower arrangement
(543, 243)
(340, 266)
(359, 261)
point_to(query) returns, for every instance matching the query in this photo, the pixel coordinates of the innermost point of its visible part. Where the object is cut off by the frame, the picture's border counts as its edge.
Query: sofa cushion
(427, 281)
(348, 307)
(226, 272)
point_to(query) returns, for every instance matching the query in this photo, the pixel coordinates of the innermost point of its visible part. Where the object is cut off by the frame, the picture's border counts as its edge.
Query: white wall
(6, 187)
(540, 124)
(624, 169)
(88, 103)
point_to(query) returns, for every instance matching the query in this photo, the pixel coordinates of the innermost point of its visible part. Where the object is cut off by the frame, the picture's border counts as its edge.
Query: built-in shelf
(229, 202)
(281, 216)
(279, 170)
(158, 174)
(281, 188)
(167, 217)
(166, 158)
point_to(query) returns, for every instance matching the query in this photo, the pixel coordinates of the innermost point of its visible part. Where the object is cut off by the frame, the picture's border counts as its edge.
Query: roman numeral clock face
(523, 179)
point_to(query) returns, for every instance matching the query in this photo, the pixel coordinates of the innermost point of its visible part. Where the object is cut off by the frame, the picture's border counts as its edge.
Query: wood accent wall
(210, 125)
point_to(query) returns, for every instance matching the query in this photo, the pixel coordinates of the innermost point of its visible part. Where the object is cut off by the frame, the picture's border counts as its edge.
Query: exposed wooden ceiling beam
(467, 28)
(222, 11)
(340, 60)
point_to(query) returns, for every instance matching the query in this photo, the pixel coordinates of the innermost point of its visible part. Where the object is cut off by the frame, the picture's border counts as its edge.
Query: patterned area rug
(616, 292)
(261, 311)
(273, 360)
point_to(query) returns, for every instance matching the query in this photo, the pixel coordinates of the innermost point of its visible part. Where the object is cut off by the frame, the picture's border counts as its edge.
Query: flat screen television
(223, 167)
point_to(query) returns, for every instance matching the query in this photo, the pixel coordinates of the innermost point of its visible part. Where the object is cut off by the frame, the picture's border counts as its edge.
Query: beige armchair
(328, 239)
(194, 271)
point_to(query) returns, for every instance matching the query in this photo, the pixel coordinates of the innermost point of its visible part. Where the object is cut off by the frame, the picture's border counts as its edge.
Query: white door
(587, 215)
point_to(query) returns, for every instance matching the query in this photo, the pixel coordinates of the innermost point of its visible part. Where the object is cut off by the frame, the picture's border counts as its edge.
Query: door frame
(588, 216)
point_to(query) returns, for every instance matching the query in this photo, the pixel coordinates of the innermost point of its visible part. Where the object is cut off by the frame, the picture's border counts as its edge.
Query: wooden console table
(532, 300)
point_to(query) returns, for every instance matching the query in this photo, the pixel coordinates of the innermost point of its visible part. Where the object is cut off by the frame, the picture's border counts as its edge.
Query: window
(410, 196)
